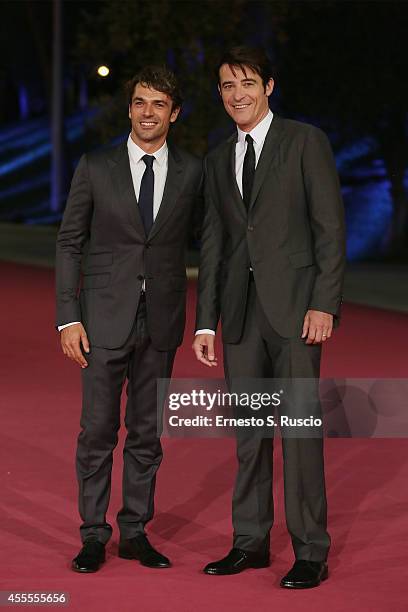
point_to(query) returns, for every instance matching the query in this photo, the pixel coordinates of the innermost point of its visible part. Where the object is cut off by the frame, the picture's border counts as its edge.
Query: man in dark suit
(272, 262)
(126, 225)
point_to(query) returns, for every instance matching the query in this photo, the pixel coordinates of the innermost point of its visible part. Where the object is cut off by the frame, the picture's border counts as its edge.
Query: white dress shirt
(137, 168)
(258, 134)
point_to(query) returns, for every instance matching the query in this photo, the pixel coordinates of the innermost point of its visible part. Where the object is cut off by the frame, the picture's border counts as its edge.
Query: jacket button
(140, 277)
(250, 228)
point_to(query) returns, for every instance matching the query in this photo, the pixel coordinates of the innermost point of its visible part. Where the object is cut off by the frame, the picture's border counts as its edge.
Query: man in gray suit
(272, 263)
(125, 228)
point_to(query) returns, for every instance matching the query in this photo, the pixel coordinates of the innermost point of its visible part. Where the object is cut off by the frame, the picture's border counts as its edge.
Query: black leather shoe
(140, 548)
(237, 561)
(90, 558)
(305, 575)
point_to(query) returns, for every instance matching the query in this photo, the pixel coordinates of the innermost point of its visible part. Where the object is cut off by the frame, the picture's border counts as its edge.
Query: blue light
(23, 101)
(369, 212)
(354, 151)
(75, 126)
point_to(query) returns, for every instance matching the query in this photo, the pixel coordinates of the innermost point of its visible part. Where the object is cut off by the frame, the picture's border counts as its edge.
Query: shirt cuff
(205, 331)
(61, 327)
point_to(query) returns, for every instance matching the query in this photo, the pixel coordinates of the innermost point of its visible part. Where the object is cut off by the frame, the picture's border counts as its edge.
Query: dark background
(341, 65)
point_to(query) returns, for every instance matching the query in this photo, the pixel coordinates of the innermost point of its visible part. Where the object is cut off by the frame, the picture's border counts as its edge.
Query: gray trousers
(102, 384)
(262, 353)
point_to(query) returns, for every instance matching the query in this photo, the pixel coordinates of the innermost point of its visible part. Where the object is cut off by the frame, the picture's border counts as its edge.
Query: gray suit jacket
(103, 254)
(293, 235)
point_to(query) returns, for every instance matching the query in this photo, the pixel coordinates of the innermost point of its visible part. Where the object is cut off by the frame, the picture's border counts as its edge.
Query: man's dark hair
(243, 57)
(159, 78)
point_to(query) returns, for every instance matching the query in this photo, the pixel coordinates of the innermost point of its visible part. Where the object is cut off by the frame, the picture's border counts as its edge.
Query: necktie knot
(148, 160)
(249, 139)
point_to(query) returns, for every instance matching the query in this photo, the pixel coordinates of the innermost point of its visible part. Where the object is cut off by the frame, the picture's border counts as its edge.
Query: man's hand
(317, 326)
(71, 339)
(203, 347)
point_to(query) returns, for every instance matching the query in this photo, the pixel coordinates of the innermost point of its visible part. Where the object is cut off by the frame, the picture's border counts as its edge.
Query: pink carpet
(40, 407)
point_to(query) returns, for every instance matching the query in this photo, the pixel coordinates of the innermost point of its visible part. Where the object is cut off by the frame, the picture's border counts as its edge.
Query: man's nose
(239, 94)
(147, 110)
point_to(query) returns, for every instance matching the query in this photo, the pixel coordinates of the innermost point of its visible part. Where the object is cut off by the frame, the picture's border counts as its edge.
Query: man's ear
(129, 115)
(174, 114)
(269, 87)
(219, 89)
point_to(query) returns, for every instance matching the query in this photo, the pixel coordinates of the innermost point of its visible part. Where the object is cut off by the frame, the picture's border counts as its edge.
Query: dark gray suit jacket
(293, 235)
(102, 241)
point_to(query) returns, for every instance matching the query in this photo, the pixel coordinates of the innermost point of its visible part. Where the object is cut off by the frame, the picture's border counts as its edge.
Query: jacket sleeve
(73, 233)
(326, 212)
(208, 301)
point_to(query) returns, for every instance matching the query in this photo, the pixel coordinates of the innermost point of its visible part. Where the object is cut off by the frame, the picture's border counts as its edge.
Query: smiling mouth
(148, 124)
(240, 106)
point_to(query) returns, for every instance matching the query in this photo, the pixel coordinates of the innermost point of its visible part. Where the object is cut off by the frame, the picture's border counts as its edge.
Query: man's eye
(227, 86)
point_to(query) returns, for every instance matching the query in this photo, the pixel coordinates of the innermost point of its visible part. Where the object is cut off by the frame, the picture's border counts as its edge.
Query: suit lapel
(225, 169)
(232, 177)
(122, 178)
(269, 151)
(172, 190)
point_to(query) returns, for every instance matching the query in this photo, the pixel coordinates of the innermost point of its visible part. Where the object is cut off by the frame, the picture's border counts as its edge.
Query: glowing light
(103, 71)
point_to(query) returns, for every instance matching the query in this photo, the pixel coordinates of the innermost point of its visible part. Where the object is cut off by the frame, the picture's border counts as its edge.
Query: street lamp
(103, 71)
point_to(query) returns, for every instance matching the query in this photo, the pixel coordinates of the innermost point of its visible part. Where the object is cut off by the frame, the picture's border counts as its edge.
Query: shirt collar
(259, 132)
(136, 153)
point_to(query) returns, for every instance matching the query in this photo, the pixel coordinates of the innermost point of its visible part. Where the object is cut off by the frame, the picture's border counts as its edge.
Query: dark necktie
(146, 193)
(248, 171)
